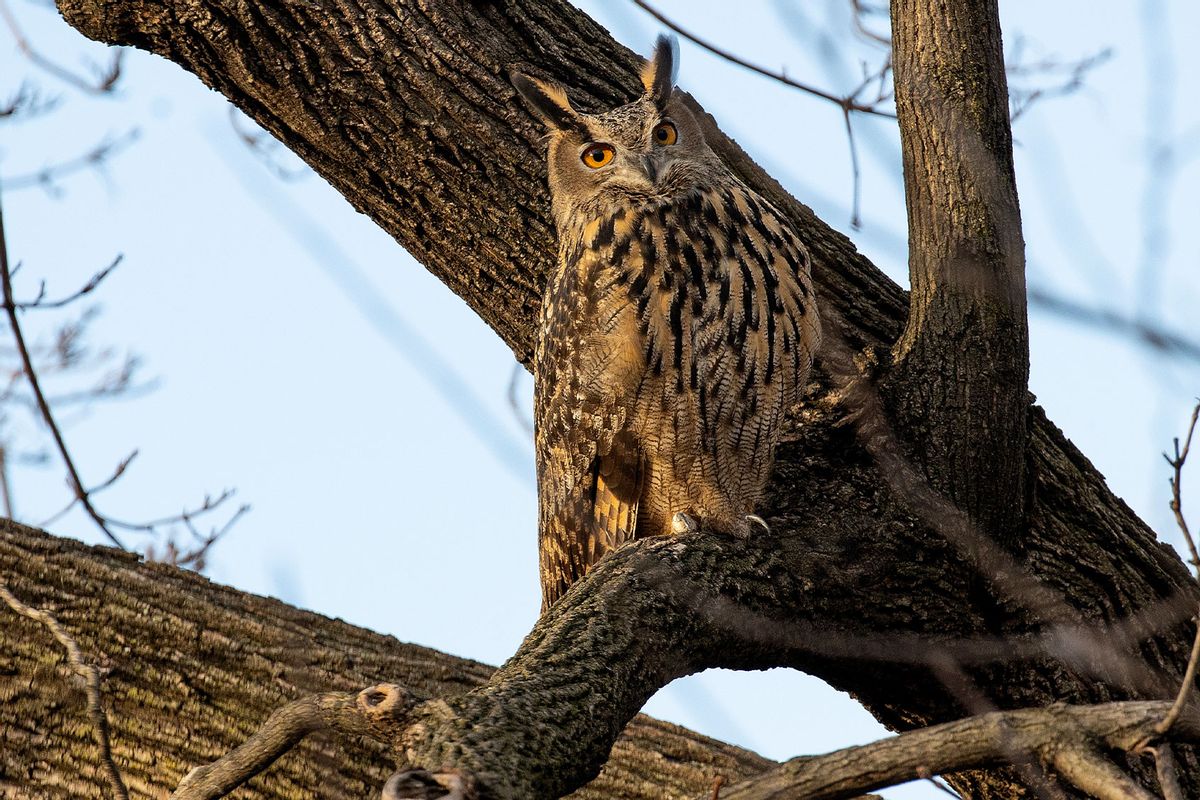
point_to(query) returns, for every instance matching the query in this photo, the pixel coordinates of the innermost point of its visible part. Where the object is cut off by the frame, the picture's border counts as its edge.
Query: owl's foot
(757, 520)
(683, 523)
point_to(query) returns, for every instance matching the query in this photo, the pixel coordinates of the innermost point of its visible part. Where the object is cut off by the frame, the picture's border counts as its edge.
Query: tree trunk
(407, 110)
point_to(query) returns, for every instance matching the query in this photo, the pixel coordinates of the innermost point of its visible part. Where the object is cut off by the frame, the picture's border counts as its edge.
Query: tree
(987, 531)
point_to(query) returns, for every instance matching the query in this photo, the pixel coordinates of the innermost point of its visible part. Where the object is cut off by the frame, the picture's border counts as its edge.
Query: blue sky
(305, 359)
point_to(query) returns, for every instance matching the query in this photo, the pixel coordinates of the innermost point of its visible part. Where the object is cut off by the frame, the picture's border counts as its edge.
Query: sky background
(302, 357)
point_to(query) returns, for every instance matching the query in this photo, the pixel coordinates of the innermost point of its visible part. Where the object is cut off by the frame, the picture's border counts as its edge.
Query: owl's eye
(665, 133)
(598, 155)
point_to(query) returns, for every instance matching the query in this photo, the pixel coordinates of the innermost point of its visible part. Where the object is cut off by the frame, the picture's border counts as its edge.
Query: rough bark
(195, 667)
(962, 365)
(407, 110)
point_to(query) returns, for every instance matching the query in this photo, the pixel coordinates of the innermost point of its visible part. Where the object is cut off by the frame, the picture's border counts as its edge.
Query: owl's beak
(651, 166)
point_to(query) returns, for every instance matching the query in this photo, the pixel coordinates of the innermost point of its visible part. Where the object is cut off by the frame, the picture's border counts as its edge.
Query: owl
(678, 326)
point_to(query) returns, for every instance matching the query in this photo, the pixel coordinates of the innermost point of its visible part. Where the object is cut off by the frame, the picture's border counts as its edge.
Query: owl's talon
(755, 518)
(682, 523)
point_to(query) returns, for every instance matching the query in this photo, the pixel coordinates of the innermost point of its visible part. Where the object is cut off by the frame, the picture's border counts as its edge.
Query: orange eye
(598, 155)
(665, 133)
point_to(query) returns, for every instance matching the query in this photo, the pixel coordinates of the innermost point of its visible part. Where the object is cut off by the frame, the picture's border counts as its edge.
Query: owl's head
(648, 149)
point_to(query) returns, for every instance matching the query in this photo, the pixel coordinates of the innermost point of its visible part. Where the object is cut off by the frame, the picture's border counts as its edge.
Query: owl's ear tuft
(547, 100)
(660, 72)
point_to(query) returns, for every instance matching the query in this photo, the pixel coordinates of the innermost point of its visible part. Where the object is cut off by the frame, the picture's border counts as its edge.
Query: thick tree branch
(193, 668)
(962, 365)
(651, 612)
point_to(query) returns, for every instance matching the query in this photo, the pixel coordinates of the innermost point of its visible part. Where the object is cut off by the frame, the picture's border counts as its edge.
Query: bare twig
(1025, 761)
(5, 493)
(103, 83)
(264, 146)
(856, 202)
(1107, 319)
(1020, 99)
(196, 556)
(117, 473)
(88, 674)
(41, 302)
(860, 11)
(209, 504)
(27, 102)
(847, 104)
(69, 353)
(94, 158)
(514, 403)
(924, 774)
(1187, 687)
(1177, 488)
(10, 309)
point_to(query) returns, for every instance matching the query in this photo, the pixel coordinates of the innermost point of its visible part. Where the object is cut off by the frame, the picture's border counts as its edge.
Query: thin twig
(5, 493)
(92, 159)
(1108, 319)
(196, 556)
(861, 10)
(846, 103)
(117, 473)
(87, 673)
(1025, 761)
(514, 403)
(153, 525)
(1177, 488)
(41, 302)
(31, 375)
(1189, 676)
(929, 777)
(262, 144)
(104, 82)
(1185, 687)
(856, 203)
(26, 101)
(1020, 100)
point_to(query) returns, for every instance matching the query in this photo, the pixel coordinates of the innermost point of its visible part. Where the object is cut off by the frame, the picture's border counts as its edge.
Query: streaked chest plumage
(686, 325)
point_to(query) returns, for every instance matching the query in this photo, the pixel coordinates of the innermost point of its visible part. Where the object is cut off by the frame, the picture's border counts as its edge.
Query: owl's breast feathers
(674, 335)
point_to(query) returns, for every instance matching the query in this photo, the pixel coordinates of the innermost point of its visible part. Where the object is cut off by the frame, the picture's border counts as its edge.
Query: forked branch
(379, 711)
(1056, 735)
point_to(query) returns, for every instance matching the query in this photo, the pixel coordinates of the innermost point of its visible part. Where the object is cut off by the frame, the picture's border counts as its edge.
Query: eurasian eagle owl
(677, 328)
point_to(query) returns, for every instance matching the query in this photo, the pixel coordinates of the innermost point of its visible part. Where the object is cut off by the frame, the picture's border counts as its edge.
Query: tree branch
(986, 740)
(10, 308)
(378, 711)
(848, 103)
(196, 667)
(962, 365)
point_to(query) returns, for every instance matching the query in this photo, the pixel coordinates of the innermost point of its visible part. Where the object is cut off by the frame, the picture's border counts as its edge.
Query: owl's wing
(590, 362)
